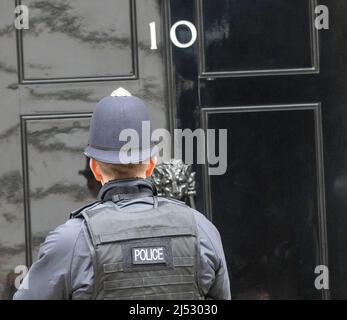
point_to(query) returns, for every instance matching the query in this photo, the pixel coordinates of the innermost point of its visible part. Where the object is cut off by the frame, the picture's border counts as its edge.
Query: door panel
(267, 205)
(245, 36)
(79, 39)
(53, 158)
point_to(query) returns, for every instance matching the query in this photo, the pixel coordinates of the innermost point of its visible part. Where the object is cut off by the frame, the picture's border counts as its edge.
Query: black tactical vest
(151, 254)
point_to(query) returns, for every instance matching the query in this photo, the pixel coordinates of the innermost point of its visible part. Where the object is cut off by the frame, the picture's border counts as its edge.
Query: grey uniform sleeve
(49, 278)
(213, 272)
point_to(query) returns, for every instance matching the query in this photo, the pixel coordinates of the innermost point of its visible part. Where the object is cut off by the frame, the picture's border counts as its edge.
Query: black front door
(262, 70)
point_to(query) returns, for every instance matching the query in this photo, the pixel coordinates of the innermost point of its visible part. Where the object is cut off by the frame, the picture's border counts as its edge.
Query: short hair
(122, 171)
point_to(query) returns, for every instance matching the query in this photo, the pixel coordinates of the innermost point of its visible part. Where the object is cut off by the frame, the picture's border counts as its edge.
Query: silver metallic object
(176, 180)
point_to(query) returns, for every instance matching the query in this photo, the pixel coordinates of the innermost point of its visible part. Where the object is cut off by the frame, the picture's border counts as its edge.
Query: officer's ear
(94, 166)
(150, 166)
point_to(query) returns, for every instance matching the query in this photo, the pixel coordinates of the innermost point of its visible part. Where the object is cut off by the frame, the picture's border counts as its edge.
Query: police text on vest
(148, 255)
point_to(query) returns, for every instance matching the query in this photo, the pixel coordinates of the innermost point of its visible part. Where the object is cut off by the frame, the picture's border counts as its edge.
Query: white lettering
(22, 271)
(322, 21)
(153, 33)
(22, 20)
(143, 255)
(137, 253)
(149, 254)
(193, 147)
(127, 150)
(222, 159)
(139, 310)
(322, 281)
(173, 34)
(160, 254)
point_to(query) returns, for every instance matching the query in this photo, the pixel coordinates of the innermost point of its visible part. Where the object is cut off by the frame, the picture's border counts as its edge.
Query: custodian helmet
(113, 114)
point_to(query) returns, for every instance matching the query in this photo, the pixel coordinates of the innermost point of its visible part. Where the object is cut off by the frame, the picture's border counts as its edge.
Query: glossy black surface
(247, 35)
(55, 156)
(270, 234)
(47, 95)
(69, 39)
(327, 87)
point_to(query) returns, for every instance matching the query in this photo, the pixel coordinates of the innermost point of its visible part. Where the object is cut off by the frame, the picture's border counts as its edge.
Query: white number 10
(173, 35)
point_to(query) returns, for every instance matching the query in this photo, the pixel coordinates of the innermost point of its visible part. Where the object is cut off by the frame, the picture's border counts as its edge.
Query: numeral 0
(173, 34)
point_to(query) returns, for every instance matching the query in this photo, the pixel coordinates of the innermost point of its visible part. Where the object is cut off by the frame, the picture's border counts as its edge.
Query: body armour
(151, 254)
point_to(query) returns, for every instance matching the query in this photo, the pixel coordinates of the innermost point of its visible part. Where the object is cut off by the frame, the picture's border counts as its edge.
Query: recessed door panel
(267, 205)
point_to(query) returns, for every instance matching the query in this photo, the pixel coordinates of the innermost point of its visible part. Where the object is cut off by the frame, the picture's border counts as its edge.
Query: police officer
(130, 244)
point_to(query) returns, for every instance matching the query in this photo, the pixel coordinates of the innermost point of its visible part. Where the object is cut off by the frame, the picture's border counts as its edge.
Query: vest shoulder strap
(78, 212)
